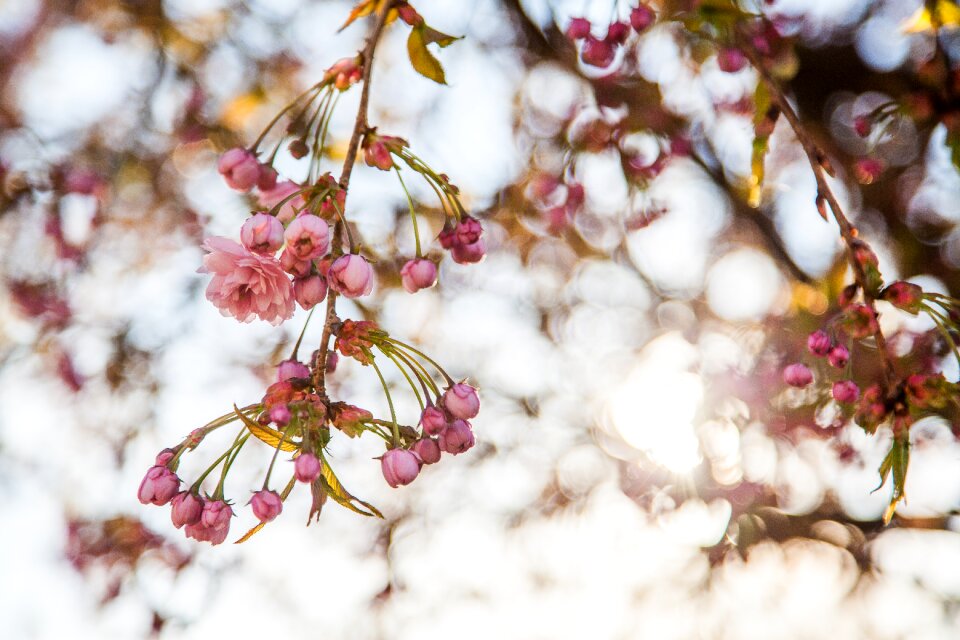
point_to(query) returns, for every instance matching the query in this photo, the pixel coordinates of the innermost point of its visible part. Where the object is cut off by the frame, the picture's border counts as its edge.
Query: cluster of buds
(601, 53)
(461, 234)
(294, 417)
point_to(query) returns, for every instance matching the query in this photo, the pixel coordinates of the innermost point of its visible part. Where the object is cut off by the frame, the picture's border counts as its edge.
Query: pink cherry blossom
(400, 467)
(262, 233)
(351, 275)
(418, 274)
(309, 291)
(245, 284)
(308, 237)
(266, 505)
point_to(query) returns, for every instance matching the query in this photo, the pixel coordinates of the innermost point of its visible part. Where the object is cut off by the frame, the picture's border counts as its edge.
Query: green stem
(296, 347)
(195, 487)
(413, 214)
(417, 368)
(407, 347)
(393, 359)
(218, 492)
(276, 452)
(276, 118)
(393, 413)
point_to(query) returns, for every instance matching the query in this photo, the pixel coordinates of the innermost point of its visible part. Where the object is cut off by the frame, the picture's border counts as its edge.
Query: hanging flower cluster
(298, 249)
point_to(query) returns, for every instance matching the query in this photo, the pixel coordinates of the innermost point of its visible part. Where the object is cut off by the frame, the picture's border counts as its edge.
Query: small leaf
(431, 35)
(764, 121)
(420, 57)
(339, 493)
(362, 9)
(897, 460)
(266, 434)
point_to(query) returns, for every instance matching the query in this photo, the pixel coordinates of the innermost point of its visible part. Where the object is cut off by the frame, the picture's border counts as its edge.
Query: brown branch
(359, 129)
(820, 166)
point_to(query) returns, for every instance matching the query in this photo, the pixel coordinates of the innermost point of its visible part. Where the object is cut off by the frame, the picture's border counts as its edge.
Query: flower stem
(413, 214)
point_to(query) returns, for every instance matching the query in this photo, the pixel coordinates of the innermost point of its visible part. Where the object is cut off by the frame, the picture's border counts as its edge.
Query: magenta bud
(457, 438)
(309, 291)
(418, 274)
(158, 486)
(306, 467)
(461, 401)
(267, 178)
(578, 28)
(597, 53)
(332, 359)
(862, 125)
(641, 18)
(797, 375)
(239, 168)
(819, 343)
(617, 32)
(351, 275)
(307, 237)
(262, 233)
(905, 296)
(266, 505)
(216, 515)
(433, 420)
(428, 449)
(292, 369)
(839, 356)
(846, 392)
(400, 467)
(868, 170)
(469, 253)
(186, 509)
(731, 59)
(280, 415)
(164, 457)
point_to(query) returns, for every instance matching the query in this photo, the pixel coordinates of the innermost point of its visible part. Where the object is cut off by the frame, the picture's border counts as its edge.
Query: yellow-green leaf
(339, 493)
(897, 460)
(362, 8)
(266, 434)
(431, 35)
(420, 57)
(764, 121)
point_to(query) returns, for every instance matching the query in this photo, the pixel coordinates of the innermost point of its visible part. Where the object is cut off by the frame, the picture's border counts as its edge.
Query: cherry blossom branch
(359, 129)
(820, 166)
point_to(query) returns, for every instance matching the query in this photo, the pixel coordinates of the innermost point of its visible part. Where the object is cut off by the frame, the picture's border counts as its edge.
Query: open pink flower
(307, 237)
(246, 284)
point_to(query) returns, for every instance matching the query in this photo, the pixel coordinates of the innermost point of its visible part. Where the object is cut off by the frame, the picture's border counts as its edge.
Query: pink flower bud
(262, 233)
(461, 401)
(731, 59)
(266, 505)
(309, 291)
(859, 321)
(239, 168)
(280, 415)
(306, 467)
(292, 369)
(186, 509)
(867, 170)
(839, 356)
(308, 237)
(641, 18)
(862, 124)
(351, 275)
(293, 265)
(578, 28)
(457, 438)
(376, 154)
(332, 359)
(846, 391)
(433, 420)
(158, 486)
(797, 375)
(617, 33)
(164, 457)
(428, 449)
(597, 53)
(819, 343)
(216, 515)
(400, 467)
(267, 178)
(418, 274)
(905, 296)
(469, 253)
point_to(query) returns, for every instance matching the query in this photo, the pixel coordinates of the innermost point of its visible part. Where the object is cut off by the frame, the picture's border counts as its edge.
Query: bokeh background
(640, 470)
